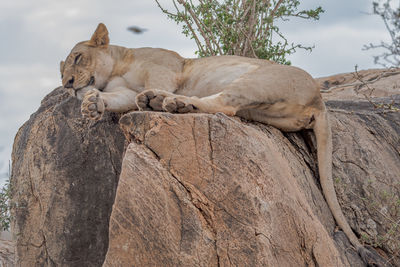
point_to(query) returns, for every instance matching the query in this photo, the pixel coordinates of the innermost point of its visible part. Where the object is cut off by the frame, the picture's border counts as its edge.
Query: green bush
(5, 206)
(240, 27)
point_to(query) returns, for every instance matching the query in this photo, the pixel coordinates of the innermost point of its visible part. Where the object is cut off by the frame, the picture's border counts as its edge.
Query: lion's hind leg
(284, 122)
(221, 102)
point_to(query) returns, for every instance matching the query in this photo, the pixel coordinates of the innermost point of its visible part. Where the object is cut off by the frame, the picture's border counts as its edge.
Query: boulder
(65, 173)
(209, 190)
(366, 171)
(201, 189)
(356, 85)
(7, 253)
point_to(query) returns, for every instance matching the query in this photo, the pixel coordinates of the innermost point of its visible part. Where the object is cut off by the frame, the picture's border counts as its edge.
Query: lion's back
(161, 57)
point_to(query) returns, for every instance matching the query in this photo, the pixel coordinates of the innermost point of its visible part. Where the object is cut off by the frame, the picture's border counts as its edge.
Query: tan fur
(156, 79)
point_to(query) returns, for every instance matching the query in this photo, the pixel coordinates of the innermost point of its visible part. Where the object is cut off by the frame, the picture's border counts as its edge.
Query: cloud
(339, 10)
(22, 88)
(338, 49)
(338, 37)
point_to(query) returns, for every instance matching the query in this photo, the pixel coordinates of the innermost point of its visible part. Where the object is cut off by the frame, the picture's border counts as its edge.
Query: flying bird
(136, 29)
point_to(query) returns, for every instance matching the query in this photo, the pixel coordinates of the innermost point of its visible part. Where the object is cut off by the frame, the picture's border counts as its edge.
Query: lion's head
(89, 64)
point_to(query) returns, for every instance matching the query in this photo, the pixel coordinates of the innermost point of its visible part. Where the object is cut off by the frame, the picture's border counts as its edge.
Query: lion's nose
(70, 83)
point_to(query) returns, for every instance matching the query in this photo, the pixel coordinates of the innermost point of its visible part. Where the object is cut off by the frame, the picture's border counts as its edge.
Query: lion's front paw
(151, 99)
(178, 104)
(92, 105)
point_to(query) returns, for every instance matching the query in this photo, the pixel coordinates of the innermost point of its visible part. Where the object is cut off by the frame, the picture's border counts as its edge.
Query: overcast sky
(36, 35)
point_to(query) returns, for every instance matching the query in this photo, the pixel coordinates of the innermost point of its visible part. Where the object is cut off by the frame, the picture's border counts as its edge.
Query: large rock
(7, 253)
(203, 190)
(366, 170)
(65, 173)
(207, 190)
(355, 86)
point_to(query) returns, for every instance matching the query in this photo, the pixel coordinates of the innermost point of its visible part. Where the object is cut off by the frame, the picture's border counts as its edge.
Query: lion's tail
(323, 135)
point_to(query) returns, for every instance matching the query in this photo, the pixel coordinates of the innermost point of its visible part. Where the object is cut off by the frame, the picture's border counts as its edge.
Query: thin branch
(195, 37)
(200, 25)
(391, 21)
(272, 15)
(165, 10)
(249, 36)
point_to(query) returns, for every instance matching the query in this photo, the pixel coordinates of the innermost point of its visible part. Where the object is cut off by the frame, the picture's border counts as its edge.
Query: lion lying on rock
(119, 79)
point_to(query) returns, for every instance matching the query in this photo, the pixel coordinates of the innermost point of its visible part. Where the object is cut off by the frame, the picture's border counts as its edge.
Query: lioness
(119, 79)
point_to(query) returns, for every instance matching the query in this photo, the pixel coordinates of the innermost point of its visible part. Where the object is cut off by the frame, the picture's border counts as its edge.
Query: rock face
(203, 190)
(65, 173)
(366, 162)
(7, 253)
(200, 189)
(350, 86)
(207, 190)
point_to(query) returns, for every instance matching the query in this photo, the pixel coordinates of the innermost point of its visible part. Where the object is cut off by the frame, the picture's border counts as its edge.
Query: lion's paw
(93, 106)
(151, 100)
(178, 104)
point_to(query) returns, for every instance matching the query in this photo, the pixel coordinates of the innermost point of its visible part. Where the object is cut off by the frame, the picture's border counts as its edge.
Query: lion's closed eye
(77, 59)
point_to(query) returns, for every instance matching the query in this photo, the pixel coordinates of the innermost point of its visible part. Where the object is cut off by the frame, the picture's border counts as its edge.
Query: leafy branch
(239, 27)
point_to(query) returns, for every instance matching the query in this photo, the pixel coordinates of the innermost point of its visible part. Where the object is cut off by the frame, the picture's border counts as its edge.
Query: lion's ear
(62, 64)
(100, 36)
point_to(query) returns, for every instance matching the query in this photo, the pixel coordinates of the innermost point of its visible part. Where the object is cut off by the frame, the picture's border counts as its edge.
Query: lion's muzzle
(91, 82)
(70, 83)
